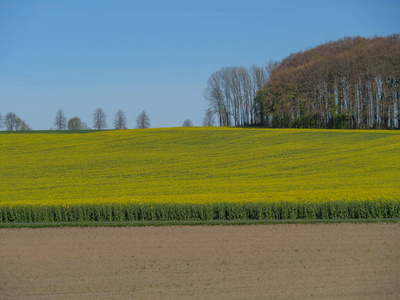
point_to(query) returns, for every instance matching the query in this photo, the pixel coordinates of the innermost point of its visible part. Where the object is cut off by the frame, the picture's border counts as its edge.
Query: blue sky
(156, 55)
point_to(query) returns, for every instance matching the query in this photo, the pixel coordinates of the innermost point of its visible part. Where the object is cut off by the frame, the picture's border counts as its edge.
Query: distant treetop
(348, 83)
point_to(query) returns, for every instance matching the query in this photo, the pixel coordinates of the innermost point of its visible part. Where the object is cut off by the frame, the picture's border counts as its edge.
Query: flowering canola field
(103, 175)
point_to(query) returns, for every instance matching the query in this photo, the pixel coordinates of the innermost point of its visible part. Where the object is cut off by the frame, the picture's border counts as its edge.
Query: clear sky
(156, 56)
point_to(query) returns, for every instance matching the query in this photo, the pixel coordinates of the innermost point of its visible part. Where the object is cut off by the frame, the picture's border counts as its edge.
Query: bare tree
(60, 121)
(75, 123)
(99, 119)
(84, 126)
(187, 123)
(209, 119)
(120, 120)
(10, 121)
(219, 97)
(20, 125)
(1, 121)
(231, 92)
(143, 121)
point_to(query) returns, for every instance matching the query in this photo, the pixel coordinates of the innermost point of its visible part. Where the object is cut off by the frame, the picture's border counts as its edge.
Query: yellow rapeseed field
(199, 165)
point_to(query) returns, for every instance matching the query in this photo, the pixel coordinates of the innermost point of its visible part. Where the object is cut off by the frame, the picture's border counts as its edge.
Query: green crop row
(380, 209)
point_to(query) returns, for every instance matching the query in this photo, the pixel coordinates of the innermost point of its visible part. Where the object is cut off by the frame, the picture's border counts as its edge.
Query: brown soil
(351, 261)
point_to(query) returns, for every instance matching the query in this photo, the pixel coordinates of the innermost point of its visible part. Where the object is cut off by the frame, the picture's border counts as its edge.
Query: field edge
(256, 211)
(191, 223)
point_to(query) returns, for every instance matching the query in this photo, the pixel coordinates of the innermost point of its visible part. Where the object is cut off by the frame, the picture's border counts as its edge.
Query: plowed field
(292, 261)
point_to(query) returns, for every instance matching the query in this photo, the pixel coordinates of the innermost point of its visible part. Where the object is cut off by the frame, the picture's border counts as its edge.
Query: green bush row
(187, 212)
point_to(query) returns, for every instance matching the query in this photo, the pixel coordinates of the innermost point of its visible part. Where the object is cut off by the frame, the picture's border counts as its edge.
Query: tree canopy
(187, 123)
(349, 83)
(75, 123)
(13, 122)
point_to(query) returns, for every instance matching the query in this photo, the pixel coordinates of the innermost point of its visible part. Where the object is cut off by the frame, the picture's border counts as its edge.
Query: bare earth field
(286, 261)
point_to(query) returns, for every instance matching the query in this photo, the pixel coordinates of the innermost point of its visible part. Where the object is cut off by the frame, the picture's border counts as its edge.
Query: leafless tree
(231, 92)
(20, 125)
(75, 123)
(209, 119)
(1, 121)
(217, 93)
(10, 121)
(120, 120)
(187, 123)
(60, 121)
(143, 121)
(84, 126)
(99, 119)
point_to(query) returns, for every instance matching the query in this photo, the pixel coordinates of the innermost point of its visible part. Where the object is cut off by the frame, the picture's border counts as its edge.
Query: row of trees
(99, 121)
(231, 93)
(350, 83)
(12, 122)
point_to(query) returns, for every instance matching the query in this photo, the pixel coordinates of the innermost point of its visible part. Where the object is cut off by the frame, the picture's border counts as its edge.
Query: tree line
(231, 92)
(351, 83)
(99, 121)
(12, 122)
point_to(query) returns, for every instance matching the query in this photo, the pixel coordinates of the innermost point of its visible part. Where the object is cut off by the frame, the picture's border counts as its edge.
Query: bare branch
(99, 119)
(60, 121)
(120, 120)
(143, 121)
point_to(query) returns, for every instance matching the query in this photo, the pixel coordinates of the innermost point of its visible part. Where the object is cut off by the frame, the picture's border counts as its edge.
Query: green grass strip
(189, 223)
(338, 210)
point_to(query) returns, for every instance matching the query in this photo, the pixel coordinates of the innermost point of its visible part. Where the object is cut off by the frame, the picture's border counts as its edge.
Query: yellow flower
(199, 166)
